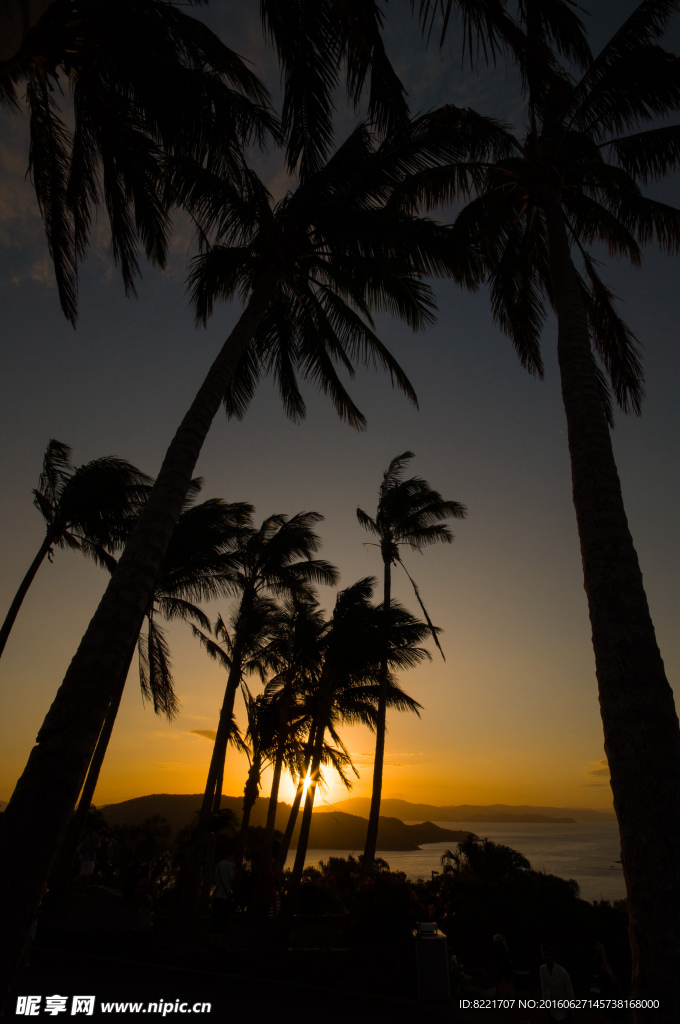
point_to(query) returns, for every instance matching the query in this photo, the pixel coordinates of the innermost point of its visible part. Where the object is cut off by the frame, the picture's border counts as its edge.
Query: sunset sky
(512, 715)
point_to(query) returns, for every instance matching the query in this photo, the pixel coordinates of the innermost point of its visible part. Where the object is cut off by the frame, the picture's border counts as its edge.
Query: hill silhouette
(331, 829)
(474, 812)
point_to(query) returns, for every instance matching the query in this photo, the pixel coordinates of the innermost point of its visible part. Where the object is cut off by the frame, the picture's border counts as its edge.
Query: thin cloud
(41, 270)
(598, 768)
(207, 734)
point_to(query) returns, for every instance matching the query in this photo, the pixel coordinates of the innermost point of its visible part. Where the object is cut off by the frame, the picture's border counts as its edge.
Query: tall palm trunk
(199, 861)
(322, 718)
(641, 734)
(250, 794)
(6, 628)
(381, 722)
(265, 861)
(305, 827)
(64, 864)
(212, 796)
(292, 817)
(270, 823)
(58, 763)
(219, 786)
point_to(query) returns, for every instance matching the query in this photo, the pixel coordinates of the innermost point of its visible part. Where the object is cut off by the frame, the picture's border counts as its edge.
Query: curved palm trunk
(61, 874)
(67, 854)
(305, 824)
(212, 796)
(641, 734)
(323, 715)
(6, 628)
(250, 794)
(264, 866)
(380, 729)
(219, 785)
(292, 817)
(198, 875)
(58, 763)
(272, 806)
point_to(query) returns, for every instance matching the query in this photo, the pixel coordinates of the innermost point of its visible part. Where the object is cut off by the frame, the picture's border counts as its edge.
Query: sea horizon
(587, 851)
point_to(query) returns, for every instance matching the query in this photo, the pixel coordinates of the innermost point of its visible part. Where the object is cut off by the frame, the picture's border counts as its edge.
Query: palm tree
(274, 559)
(147, 82)
(484, 858)
(573, 181)
(238, 659)
(349, 681)
(324, 258)
(193, 569)
(294, 653)
(261, 734)
(409, 512)
(297, 652)
(89, 508)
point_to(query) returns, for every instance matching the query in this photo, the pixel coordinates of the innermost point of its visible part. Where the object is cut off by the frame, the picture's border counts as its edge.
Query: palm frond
(641, 84)
(614, 342)
(48, 164)
(649, 220)
(434, 630)
(645, 25)
(314, 40)
(155, 671)
(367, 523)
(648, 156)
(515, 292)
(216, 651)
(57, 468)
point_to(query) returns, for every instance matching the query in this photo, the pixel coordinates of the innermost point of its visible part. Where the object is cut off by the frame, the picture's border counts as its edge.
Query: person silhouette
(224, 877)
(555, 984)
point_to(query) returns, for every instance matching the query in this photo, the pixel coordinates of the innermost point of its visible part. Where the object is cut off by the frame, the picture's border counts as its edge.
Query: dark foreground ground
(255, 977)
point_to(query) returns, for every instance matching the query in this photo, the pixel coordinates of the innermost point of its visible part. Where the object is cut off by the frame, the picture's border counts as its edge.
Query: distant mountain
(475, 812)
(331, 829)
(179, 809)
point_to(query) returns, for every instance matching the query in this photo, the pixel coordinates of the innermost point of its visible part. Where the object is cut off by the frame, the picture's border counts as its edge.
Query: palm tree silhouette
(193, 569)
(349, 681)
(90, 508)
(409, 513)
(275, 558)
(541, 204)
(147, 82)
(294, 656)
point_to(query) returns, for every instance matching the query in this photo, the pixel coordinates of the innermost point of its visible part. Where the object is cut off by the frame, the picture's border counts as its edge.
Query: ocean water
(587, 851)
